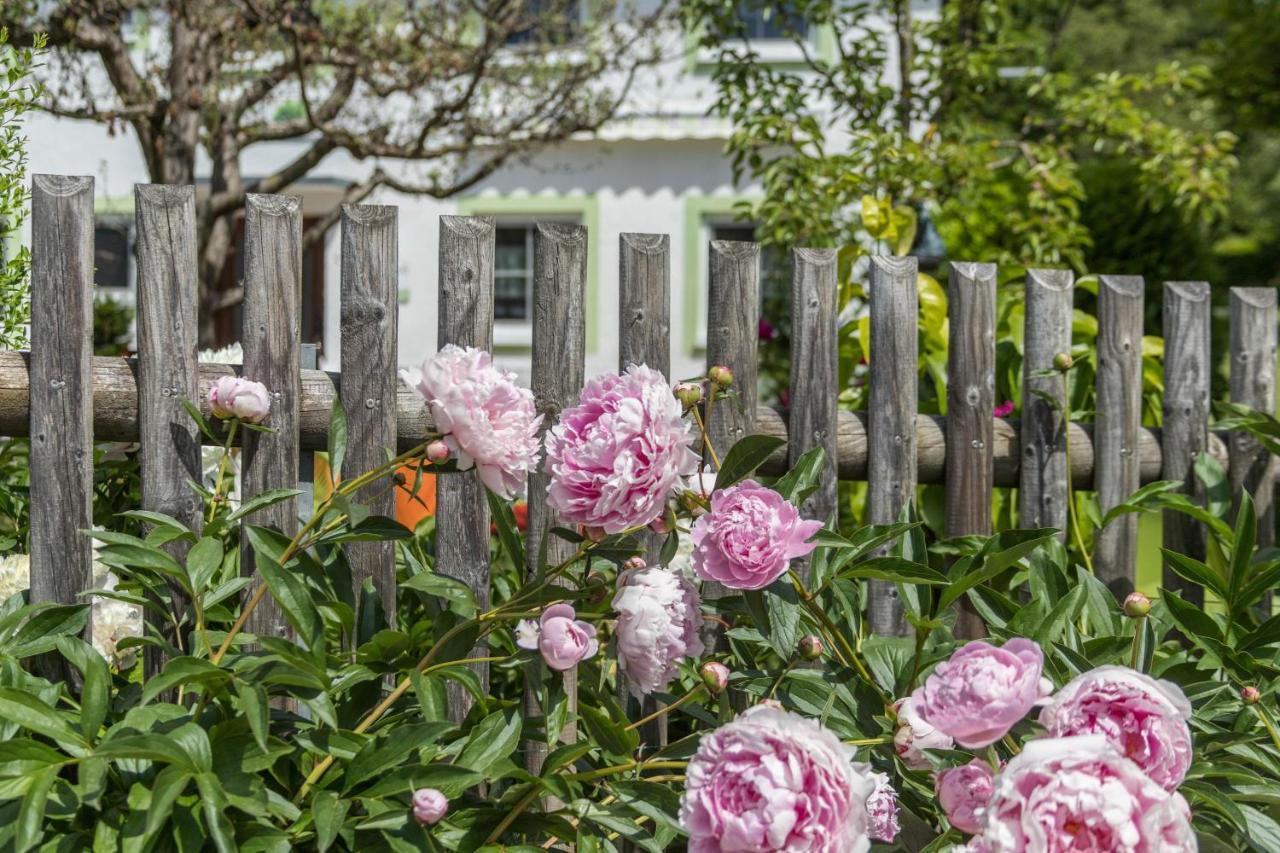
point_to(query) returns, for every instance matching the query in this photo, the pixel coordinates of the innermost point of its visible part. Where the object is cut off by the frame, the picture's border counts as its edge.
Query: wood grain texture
(559, 353)
(369, 291)
(971, 393)
(644, 337)
(1253, 384)
(271, 339)
(61, 413)
(115, 418)
(168, 372)
(1188, 369)
(462, 509)
(1119, 402)
(891, 428)
(1042, 484)
(815, 371)
(733, 332)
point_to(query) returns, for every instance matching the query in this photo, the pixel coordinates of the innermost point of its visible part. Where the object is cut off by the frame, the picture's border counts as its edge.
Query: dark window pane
(111, 255)
(510, 297)
(771, 21)
(511, 250)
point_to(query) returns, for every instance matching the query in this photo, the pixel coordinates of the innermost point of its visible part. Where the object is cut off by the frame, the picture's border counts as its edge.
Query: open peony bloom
(882, 809)
(487, 420)
(234, 397)
(559, 636)
(616, 456)
(1144, 719)
(774, 781)
(962, 791)
(749, 537)
(914, 736)
(978, 694)
(1078, 794)
(659, 614)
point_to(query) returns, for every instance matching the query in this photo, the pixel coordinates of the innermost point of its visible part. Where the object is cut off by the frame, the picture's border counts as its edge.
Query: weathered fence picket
(1185, 433)
(559, 364)
(462, 511)
(891, 431)
(971, 397)
(64, 398)
(369, 329)
(1119, 404)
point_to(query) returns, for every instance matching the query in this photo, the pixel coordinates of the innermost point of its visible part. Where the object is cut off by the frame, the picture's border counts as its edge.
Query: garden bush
(1081, 723)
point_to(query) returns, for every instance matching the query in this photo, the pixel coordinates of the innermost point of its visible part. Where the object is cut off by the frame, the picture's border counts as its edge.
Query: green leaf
(608, 730)
(256, 711)
(214, 802)
(783, 612)
(95, 694)
(803, 478)
(745, 457)
(146, 747)
(460, 596)
(508, 531)
(328, 812)
(184, 670)
(337, 437)
(1242, 550)
(289, 591)
(31, 811)
(893, 569)
(262, 500)
(493, 739)
(27, 711)
(992, 562)
(375, 528)
(165, 790)
(203, 424)
(203, 561)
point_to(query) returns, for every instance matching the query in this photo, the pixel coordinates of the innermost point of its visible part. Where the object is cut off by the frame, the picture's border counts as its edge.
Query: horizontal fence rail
(64, 399)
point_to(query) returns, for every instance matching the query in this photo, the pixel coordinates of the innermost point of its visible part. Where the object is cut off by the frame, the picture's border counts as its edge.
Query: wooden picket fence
(65, 399)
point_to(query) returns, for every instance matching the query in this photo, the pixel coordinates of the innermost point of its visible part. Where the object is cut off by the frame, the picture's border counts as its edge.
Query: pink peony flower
(615, 456)
(559, 636)
(914, 736)
(773, 781)
(487, 420)
(749, 537)
(1003, 410)
(882, 809)
(429, 806)
(1144, 719)
(659, 614)
(982, 691)
(962, 791)
(233, 397)
(1078, 794)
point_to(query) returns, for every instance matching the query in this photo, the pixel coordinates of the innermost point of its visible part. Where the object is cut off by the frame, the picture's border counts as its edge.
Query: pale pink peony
(659, 615)
(429, 806)
(982, 691)
(1079, 794)
(487, 420)
(616, 456)
(914, 736)
(559, 636)
(749, 537)
(233, 397)
(962, 791)
(882, 809)
(1144, 719)
(773, 781)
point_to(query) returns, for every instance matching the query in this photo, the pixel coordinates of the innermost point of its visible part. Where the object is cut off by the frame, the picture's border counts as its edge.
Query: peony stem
(839, 642)
(516, 811)
(707, 448)
(993, 758)
(777, 682)
(1268, 723)
(665, 709)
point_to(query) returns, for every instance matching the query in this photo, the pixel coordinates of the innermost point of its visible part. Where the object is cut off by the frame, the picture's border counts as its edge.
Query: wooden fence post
(971, 398)
(1185, 433)
(462, 509)
(815, 371)
(369, 318)
(644, 337)
(733, 330)
(61, 408)
(1042, 483)
(272, 343)
(891, 429)
(1119, 395)
(1253, 384)
(559, 353)
(168, 371)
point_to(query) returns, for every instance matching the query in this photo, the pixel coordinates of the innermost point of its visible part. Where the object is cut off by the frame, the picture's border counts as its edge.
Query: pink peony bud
(716, 676)
(689, 394)
(1136, 605)
(1062, 362)
(429, 806)
(962, 791)
(721, 376)
(233, 397)
(811, 647)
(437, 451)
(634, 564)
(559, 636)
(1250, 695)
(663, 524)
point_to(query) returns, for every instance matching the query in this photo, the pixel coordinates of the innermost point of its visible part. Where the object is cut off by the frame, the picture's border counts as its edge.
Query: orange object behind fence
(409, 509)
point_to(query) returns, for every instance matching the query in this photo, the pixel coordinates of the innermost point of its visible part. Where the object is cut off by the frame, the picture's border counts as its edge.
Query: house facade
(659, 166)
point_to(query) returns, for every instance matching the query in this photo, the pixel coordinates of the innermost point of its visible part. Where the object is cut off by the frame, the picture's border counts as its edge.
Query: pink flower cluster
(659, 616)
(487, 420)
(234, 397)
(616, 456)
(772, 780)
(559, 636)
(749, 537)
